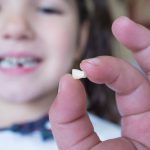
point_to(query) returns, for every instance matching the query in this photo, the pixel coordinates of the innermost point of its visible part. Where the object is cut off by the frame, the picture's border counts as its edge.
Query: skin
(25, 27)
(68, 114)
(27, 97)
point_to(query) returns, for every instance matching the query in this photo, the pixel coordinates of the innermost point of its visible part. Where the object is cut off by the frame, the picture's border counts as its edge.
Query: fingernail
(62, 82)
(94, 61)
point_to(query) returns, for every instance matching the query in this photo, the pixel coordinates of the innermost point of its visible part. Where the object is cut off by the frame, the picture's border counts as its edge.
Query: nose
(16, 28)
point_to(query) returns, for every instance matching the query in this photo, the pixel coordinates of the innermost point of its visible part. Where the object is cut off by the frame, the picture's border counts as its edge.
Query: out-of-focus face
(38, 42)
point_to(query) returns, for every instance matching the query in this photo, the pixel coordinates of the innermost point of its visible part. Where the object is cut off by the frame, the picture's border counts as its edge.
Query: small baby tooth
(78, 74)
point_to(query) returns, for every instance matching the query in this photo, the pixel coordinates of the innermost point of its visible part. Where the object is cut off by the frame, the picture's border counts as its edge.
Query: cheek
(60, 41)
(62, 37)
(59, 34)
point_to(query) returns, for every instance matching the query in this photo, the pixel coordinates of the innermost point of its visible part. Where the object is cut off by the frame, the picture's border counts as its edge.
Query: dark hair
(101, 98)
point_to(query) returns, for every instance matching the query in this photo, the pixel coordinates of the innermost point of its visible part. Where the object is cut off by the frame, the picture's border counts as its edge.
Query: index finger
(131, 87)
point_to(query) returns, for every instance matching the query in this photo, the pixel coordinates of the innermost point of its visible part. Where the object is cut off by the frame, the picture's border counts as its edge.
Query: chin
(16, 97)
(24, 93)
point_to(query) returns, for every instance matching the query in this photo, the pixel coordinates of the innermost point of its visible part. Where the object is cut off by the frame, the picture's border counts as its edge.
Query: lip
(20, 70)
(20, 54)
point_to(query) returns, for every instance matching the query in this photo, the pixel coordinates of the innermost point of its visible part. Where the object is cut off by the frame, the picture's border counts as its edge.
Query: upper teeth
(12, 62)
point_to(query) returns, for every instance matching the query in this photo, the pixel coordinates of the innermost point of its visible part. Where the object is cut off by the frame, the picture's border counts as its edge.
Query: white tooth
(78, 74)
(7, 64)
(12, 62)
(29, 64)
(29, 59)
(7, 59)
(24, 60)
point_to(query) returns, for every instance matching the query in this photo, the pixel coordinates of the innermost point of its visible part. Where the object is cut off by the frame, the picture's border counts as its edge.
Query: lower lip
(19, 71)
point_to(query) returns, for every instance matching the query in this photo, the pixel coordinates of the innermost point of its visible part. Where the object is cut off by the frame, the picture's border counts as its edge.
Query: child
(40, 41)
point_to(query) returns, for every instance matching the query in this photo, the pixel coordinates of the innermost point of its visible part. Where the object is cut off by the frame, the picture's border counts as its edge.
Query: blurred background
(139, 11)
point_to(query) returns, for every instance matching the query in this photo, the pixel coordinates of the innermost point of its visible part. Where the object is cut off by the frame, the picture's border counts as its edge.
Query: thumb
(71, 125)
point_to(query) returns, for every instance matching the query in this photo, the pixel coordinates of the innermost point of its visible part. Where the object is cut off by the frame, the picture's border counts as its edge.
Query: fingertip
(71, 97)
(70, 88)
(85, 65)
(93, 68)
(66, 77)
(91, 62)
(67, 81)
(121, 19)
(120, 25)
(131, 34)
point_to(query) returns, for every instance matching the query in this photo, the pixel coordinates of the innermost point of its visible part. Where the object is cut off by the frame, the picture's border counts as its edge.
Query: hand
(70, 123)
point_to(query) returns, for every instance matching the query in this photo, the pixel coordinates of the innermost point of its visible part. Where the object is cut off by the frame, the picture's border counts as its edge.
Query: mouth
(19, 63)
(13, 62)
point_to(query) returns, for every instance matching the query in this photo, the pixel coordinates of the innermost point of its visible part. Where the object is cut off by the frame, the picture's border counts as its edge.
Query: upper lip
(21, 55)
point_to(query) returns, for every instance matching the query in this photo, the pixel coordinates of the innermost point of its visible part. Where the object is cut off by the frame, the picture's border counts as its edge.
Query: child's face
(33, 30)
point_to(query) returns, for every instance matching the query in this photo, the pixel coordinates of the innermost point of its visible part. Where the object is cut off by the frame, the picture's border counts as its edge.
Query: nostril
(17, 30)
(17, 35)
(6, 36)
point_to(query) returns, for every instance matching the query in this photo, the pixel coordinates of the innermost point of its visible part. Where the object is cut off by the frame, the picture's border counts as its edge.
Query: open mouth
(21, 62)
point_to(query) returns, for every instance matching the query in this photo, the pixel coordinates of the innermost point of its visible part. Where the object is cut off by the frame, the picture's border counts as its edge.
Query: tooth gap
(20, 65)
(38, 60)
